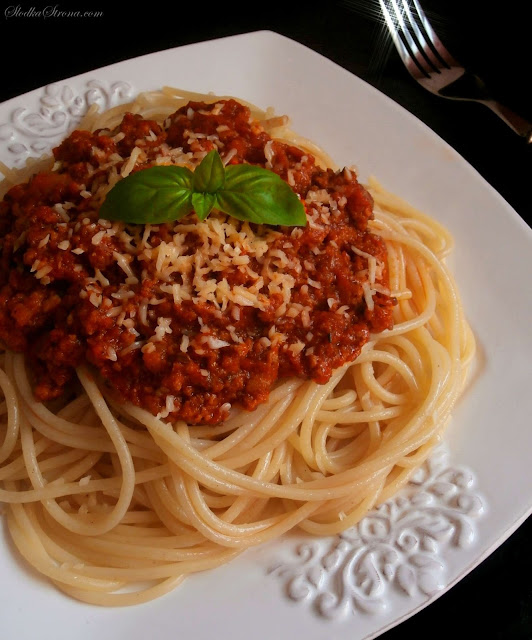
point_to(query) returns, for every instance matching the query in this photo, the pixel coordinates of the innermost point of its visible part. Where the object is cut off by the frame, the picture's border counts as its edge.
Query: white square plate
(476, 500)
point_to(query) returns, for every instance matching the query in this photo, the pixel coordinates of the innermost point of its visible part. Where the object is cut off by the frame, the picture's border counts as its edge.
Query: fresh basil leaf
(261, 196)
(165, 194)
(203, 204)
(153, 195)
(209, 175)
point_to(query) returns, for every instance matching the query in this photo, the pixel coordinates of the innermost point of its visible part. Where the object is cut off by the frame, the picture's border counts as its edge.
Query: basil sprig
(168, 193)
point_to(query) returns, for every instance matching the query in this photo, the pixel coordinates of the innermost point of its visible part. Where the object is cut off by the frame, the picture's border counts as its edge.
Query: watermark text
(50, 11)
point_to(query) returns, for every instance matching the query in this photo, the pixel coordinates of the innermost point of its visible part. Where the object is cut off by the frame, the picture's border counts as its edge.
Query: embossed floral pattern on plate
(31, 133)
(401, 546)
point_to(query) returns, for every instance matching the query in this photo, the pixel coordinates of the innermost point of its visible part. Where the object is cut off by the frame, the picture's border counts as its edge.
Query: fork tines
(434, 68)
(419, 47)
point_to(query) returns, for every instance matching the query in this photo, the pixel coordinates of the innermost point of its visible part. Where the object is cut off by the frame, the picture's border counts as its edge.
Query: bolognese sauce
(187, 319)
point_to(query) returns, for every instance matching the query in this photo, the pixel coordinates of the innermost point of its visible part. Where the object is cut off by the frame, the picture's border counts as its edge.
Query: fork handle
(518, 124)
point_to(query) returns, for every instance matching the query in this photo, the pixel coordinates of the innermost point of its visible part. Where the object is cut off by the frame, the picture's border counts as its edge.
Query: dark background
(495, 600)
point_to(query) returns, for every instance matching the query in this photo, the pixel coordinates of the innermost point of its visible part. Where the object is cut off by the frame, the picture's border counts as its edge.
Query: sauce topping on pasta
(187, 319)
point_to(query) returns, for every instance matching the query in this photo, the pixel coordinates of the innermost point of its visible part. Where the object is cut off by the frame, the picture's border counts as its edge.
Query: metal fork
(429, 62)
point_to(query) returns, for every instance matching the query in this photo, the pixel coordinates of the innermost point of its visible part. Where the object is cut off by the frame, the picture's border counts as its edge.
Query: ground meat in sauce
(75, 289)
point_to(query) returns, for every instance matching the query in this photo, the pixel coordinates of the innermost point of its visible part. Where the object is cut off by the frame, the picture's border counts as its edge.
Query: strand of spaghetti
(281, 423)
(415, 321)
(59, 490)
(266, 436)
(324, 463)
(58, 553)
(216, 476)
(153, 536)
(377, 413)
(148, 555)
(374, 410)
(12, 427)
(346, 520)
(207, 523)
(77, 469)
(75, 408)
(408, 348)
(421, 456)
(270, 469)
(291, 420)
(172, 522)
(379, 391)
(44, 415)
(440, 371)
(267, 531)
(396, 363)
(393, 203)
(158, 572)
(312, 410)
(90, 552)
(271, 418)
(211, 524)
(343, 398)
(124, 599)
(139, 442)
(16, 469)
(29, 543)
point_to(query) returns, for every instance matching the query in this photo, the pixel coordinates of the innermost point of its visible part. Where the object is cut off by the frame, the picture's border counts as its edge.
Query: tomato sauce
(65, 299)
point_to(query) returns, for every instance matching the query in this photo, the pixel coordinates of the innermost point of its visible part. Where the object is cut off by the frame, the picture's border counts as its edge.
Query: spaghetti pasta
(116, 505)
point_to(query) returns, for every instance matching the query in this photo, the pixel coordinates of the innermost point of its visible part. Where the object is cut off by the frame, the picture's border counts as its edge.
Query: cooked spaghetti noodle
(116, 505)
